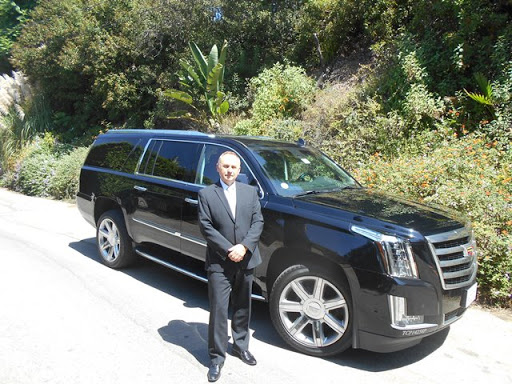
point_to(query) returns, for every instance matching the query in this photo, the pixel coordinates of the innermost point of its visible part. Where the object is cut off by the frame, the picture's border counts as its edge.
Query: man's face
(228, 168)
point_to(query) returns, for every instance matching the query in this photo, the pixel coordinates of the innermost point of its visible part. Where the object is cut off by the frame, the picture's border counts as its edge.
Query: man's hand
(237, 252)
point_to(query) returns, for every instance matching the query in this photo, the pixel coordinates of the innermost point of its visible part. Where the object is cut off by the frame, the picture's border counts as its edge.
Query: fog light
(399, 316)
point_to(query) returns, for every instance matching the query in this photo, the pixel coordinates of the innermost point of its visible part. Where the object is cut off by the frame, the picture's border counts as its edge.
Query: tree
(102, 63)
(13, 15)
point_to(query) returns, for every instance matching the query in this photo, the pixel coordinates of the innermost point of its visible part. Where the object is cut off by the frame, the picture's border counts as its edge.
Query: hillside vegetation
(413, 97)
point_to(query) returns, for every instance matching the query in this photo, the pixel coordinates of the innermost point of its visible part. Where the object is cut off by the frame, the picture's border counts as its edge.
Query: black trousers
(237, 285)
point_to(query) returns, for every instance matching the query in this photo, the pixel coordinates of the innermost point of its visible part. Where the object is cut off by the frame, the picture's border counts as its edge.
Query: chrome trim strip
(414, 326)
(451, 320)
(452, 235)
(454, 275)
(171, 266)
(447, 251)
(451, 263)
(154, 226)
(183, 271)
(176, 234)
(193, 240)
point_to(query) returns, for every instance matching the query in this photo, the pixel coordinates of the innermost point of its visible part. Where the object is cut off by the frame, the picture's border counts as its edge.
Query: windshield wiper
(305, 193)
(349, 187)
(314, 192)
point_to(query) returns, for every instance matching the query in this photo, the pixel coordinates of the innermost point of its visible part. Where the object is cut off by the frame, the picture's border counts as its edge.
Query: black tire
(114, 244)
(315, 323)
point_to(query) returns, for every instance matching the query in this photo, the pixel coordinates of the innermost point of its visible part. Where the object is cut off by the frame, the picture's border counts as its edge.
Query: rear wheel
(311, 310)
(114, 244)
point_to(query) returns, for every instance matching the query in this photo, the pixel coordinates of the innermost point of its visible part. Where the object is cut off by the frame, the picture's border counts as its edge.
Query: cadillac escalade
(343, 266)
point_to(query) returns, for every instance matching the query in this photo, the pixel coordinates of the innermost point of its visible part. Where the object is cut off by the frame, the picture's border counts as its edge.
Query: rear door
(166, 171)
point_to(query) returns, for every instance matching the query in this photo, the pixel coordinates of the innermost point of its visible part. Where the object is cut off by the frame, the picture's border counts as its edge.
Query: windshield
(295, 170)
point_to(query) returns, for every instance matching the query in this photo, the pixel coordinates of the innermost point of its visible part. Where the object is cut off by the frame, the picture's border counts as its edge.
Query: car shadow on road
(192, 336)
(190, 291)
(380, 362)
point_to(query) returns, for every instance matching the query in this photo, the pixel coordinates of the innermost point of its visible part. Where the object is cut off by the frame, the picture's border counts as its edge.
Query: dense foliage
(278, 96)
(13, 15)
(473, 175)
(414, 97)
(47, 168)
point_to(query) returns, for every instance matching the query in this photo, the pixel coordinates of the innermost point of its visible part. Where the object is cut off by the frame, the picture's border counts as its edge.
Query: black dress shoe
(245, 356)
(214, 372)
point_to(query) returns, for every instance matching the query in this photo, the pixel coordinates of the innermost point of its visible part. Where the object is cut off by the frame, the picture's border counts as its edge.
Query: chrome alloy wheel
(109, 241)
(313, 311)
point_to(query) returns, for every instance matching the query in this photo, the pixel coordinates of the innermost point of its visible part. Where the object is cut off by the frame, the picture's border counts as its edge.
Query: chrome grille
(455, 256)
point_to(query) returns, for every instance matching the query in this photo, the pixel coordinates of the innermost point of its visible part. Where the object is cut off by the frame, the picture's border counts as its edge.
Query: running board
(184, 271)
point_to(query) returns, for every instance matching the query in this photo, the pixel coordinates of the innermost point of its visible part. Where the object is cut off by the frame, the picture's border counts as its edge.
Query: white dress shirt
(230, 193)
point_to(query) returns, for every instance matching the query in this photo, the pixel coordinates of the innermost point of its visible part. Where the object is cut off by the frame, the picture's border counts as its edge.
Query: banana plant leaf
(192, 74)
(178, 95)
(199, 59)
(222, 60)
(213, 59)
(212, 86)
(224, 107)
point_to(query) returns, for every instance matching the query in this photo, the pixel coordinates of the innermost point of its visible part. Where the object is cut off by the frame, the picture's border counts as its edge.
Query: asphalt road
(66, 318)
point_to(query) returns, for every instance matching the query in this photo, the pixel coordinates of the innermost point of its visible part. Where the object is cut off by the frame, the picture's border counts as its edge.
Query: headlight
(396, 253)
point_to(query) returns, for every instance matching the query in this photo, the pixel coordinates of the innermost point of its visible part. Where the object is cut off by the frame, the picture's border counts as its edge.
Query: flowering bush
(472, 175)
(34, 174)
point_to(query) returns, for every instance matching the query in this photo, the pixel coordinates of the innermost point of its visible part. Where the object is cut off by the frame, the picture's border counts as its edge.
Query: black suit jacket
(222, 231)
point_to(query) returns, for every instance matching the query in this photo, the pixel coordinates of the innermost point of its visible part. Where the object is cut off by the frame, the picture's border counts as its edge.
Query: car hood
(363, 204)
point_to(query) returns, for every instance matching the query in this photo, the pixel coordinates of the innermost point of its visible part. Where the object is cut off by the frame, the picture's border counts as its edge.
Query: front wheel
(114, 243)
(311, 310)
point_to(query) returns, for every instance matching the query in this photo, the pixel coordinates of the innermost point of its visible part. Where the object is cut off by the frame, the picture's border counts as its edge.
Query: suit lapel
(222, 197)
(240, 199)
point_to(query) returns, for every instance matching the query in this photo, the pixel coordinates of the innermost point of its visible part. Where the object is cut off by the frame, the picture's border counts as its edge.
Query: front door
(192, 241)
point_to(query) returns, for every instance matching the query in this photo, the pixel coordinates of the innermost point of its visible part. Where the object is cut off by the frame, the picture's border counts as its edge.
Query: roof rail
(160, 131)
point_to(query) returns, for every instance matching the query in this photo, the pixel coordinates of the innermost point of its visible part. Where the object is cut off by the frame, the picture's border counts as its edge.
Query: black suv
(342, 265)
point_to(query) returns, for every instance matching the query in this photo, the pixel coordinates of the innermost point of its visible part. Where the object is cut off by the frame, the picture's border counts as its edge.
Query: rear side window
(171, 160)
(116, 154)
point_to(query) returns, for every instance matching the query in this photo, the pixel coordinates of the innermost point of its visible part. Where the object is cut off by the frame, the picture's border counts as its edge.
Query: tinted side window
(172, 160)
(119, 154)
(207, 172)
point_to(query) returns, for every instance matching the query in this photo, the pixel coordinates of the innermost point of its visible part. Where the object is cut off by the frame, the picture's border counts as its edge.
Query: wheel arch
(104, 204)
(283, 258)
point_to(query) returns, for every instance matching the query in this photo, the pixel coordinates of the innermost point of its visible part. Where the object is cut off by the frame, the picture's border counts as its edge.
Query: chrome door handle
(191, 201)
(139, 188)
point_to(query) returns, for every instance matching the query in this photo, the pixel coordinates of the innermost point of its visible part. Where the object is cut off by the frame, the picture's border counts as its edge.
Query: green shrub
(472, 175)
(35, 174)
(278, 94)
(64, 183)
(350, 126)
(46, 168)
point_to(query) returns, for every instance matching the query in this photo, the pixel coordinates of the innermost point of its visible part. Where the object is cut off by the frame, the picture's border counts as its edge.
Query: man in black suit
(231, 222)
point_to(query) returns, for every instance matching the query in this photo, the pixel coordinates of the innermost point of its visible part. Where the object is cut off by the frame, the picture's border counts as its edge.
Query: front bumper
(430, 309)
